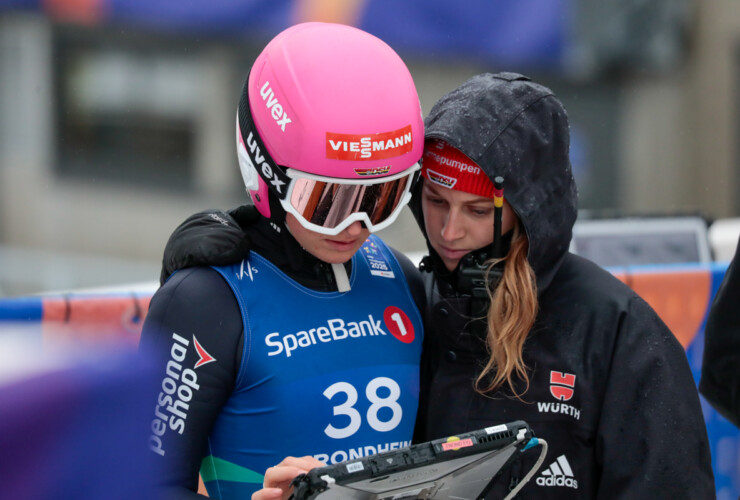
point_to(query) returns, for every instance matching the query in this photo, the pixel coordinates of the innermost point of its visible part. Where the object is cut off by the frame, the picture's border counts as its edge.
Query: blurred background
(117, 116)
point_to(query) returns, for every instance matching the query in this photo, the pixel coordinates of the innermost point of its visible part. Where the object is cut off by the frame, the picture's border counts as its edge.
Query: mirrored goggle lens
(328, 204)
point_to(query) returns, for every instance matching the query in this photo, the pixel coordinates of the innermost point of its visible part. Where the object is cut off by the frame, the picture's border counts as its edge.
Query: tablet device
(464, 466)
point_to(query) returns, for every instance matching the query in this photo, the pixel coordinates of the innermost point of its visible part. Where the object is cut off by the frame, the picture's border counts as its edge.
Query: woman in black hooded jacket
(552, 339)
(563, 345)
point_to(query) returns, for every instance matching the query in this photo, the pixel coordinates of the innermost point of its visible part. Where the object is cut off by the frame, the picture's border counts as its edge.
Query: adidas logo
(558, 474)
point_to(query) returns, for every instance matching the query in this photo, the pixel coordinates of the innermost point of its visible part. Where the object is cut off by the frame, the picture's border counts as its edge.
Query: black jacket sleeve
(208, 238)
(720, 370)
(192, 319)
(652, 438)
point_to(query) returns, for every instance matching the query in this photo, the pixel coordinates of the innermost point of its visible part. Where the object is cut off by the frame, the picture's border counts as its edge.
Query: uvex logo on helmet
(363, 147)
(276, 109)
(260, 162)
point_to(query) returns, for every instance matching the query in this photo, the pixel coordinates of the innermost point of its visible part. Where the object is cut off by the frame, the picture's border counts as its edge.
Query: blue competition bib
(334, 375)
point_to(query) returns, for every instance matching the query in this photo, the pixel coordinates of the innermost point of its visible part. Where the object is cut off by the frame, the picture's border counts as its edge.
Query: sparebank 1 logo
(399, 324)
(394, 320)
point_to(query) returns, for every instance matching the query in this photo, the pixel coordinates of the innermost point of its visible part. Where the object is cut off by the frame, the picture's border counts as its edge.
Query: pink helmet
(330, 101)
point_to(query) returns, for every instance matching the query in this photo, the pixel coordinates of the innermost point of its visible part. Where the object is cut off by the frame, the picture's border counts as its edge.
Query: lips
(341, 244)
(452, 254)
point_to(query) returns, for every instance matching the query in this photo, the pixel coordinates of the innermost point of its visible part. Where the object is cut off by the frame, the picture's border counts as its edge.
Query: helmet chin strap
(340, 275)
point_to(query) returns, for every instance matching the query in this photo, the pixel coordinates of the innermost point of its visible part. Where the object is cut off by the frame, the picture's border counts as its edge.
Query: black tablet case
(464, 466)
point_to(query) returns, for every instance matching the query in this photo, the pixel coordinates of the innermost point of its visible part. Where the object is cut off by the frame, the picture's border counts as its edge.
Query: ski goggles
(328, 205)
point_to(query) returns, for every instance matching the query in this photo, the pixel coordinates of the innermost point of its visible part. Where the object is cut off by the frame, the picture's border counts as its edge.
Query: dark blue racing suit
(266, 359)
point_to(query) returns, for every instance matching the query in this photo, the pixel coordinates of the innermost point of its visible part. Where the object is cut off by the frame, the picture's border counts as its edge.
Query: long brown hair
(511, 315)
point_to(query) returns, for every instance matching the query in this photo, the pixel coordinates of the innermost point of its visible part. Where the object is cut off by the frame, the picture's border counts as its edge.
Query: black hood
(517, 129)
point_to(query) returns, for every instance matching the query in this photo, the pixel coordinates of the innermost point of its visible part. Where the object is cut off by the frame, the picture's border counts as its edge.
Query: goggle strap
(272, 174)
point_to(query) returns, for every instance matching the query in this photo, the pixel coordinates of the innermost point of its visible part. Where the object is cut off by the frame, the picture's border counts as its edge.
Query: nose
(355, 229)
(453, 227)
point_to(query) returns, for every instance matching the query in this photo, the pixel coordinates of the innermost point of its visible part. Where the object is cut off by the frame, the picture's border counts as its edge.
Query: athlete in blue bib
(335, 376)
(311, 345)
